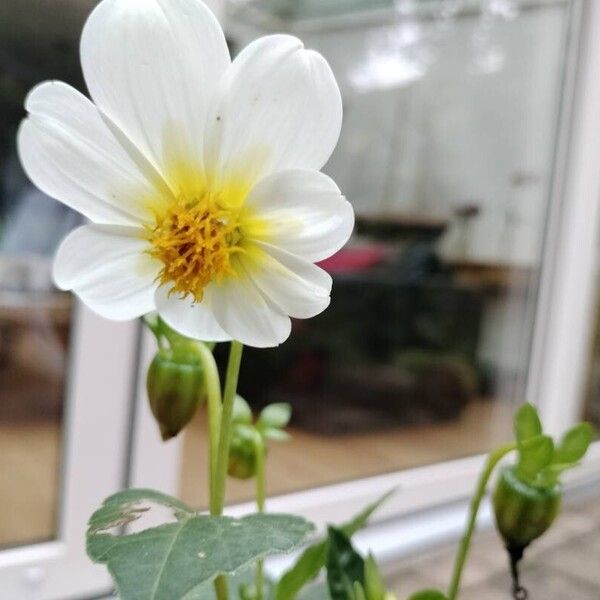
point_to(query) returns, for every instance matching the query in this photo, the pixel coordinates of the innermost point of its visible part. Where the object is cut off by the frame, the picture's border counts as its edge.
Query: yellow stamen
(195, 240)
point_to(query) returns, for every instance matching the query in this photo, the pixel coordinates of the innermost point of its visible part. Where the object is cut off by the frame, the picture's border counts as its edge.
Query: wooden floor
(29, 482)
(310, 460)
(30, 455)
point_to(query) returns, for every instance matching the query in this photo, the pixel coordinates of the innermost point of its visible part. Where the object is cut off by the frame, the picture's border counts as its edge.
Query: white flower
(200, 175)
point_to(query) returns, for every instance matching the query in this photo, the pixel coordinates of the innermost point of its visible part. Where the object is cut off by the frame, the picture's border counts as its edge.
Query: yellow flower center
(195, 239)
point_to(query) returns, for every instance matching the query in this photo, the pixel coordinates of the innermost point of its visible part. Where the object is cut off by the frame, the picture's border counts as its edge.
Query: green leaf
(534, 454)
(549, 476)
(312, 560)
(374, 586)
(275, 416)
(174, 559)
(242, 413)
(278, 435)
(359, 591)
(429, 595)
(527, 423)
(345, 566)
(574, 444)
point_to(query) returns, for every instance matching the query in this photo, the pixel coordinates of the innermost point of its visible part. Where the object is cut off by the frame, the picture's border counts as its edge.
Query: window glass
(38, 41)
(450, 115)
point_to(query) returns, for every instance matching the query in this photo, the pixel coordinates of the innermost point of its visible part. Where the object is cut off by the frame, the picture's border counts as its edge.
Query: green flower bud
(523, 511)
(175, 385)
(242, 452)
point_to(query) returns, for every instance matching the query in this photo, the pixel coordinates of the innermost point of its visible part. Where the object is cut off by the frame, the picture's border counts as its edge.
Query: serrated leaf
(527, 423)
(345, 567)
(574, 444)
(534, 455)
(242, 413)
(429, 595)
(275, 415)
(312, 560)
(175, 559)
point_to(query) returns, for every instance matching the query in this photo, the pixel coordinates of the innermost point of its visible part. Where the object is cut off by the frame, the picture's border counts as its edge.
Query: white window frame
(95, 438)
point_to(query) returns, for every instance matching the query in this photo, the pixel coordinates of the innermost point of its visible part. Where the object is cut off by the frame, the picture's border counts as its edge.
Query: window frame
(94, 459)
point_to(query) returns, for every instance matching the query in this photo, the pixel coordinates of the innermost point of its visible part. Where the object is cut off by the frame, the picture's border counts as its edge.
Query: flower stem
(213, 393)
(261, 494)
(231, 379)
(461, 557)
(220, 474)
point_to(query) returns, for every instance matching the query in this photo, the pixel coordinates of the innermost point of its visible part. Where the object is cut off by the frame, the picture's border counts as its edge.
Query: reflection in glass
(38, 41)
(450, 112)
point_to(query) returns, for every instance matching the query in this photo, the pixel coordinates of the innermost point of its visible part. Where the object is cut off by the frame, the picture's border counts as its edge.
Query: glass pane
(450, 115)
(35, 319)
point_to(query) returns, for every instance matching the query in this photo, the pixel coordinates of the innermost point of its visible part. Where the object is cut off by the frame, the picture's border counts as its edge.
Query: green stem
(461, 557)
(220, 475)
(221, 588)
(213, 393)
(261, 494)
(231, 379)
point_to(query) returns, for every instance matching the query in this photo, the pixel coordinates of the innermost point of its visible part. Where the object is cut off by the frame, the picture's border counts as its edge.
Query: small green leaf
(550, 476)
(345, 566)
(527, 423)
(534, 454)
(176, 558)
(574, 444)
(278, 435)
(242, 413)
(275, 416)
(374, 586)
(359, 592)
(312, 560)
(429, 595)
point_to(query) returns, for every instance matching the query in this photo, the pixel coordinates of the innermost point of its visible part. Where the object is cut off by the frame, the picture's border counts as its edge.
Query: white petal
(69, 152)
(277, 107)
(151, 66)
(192, 319)
(245, 315)
(296, 286)
(106, 266)
(305, 213)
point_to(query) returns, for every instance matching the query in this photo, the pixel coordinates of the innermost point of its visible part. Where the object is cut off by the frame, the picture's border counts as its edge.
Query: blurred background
(456, 114)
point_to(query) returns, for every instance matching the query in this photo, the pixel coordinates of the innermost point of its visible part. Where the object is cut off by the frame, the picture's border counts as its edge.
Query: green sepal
(242, 413)
(527, 423)
(535, 454)
(275, 416)
(574, 444)
(277, 435)
(345, 566)
(523, 512)
(175, 384)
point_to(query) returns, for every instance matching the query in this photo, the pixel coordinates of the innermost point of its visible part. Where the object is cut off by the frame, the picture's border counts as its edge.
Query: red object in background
(353, 260)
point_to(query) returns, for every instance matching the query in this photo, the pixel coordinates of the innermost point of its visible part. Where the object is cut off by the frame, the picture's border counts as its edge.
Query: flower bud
(242, 453)
(175, 385)
(523, 512)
